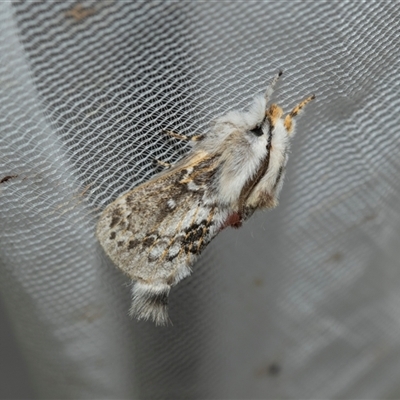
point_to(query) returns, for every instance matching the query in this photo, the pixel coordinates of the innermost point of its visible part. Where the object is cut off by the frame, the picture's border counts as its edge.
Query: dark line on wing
(251, 183)
(278, 178)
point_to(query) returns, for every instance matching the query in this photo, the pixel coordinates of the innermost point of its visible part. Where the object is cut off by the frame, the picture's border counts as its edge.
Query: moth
(155, 232)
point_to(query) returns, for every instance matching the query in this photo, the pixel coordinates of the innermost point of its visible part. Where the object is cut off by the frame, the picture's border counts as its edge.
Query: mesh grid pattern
(302, 301)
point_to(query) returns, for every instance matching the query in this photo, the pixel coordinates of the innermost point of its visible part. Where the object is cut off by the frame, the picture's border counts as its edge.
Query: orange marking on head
(288, 123)
(273, 114)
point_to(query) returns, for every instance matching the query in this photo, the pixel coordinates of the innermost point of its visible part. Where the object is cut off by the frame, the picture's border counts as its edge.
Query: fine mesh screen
(303, 301)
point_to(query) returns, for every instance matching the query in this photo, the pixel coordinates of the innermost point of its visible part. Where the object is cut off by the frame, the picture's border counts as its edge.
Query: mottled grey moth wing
(155, 232)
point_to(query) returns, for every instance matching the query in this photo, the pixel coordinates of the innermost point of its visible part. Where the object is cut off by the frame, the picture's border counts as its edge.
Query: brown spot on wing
(206, 229)
(115, 216)
(133, 243)
(130, 200)
(149, 240)
(114, 221)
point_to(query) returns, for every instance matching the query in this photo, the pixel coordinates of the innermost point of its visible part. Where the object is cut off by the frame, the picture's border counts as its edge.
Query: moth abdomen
(150, 301)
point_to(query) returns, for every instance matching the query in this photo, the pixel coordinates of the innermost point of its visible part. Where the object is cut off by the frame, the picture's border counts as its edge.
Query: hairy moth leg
(150, 301)
(195, 138)
(162, 164)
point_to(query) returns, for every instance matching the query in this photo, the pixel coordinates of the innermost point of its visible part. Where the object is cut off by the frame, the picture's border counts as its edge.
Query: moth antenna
(150, 301)
(270, 88)
(288, 123)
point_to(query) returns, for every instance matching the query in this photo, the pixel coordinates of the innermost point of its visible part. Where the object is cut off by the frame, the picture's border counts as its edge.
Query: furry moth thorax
(155, 232)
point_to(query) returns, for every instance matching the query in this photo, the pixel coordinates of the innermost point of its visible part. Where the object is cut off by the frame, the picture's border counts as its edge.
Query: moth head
(262, 118)
(262, 189)
(253, 148)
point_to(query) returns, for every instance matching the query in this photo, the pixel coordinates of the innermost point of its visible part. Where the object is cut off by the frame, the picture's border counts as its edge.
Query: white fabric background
(302, 302)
